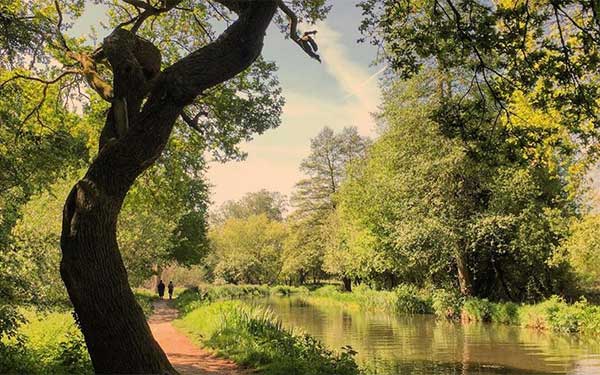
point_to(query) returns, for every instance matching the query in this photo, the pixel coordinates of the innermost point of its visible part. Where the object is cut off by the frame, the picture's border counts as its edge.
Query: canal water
(391, 344)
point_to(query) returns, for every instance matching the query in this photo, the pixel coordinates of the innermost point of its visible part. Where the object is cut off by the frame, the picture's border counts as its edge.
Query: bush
(409, 300)
(284, 290)
(220, 292)
(557, 315)
(252, 337)
(145, 298)
(447, 304)
(477, 310)
(505, 313)
(47, 344)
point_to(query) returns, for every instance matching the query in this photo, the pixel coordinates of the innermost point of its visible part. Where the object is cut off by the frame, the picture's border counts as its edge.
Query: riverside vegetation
(553, 314)
(253, 337)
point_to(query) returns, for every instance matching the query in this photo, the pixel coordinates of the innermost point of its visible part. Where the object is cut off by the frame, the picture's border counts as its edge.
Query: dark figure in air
(171, 287)
(161, 289)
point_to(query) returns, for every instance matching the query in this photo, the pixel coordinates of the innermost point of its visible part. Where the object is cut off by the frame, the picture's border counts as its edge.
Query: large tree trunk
(115, 330)
(114, 325)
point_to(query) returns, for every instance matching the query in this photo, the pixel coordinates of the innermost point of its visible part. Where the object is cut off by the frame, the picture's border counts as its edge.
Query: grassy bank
(51, 342)
(553, 314)
(253, 338)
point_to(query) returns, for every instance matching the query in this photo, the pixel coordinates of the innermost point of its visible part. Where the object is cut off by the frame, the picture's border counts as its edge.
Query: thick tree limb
(177, 86)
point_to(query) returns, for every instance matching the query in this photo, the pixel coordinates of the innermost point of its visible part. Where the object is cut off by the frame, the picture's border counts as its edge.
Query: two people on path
(161, 289)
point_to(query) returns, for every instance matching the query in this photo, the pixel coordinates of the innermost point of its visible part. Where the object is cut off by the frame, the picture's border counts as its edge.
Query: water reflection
(389, 344)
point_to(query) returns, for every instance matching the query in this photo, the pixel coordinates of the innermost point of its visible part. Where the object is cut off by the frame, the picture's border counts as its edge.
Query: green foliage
(506, 313)
(582, 250)
(39, 144)
(477, 310)
(252, 337)
(313, 224)
(271, 204)
(47, 344)
(557, 315)
(191, 298)
(247, 250)
(545, 49)
(286, 290)
(145, 298)
(431, 208)
(408, 300)
(447, 303)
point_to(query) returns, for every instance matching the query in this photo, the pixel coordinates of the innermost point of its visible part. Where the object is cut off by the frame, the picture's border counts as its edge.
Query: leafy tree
(325, 168)
(35, 151)
(147, 90)
(303, 251)
(314, 198)
(248, 250)
(582, 249)
(272, 204)
(435, 201)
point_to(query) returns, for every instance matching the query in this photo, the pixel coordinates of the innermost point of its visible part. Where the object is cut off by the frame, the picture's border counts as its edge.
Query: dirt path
(187, 357)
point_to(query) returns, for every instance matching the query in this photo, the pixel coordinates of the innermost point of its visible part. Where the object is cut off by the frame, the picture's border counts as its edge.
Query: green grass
(252, 337)
(49, 343)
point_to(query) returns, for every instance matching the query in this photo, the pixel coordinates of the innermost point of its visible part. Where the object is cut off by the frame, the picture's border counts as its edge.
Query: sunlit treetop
(546, 50)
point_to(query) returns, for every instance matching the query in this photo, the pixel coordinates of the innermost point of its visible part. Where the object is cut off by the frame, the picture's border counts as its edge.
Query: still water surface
(390, 344)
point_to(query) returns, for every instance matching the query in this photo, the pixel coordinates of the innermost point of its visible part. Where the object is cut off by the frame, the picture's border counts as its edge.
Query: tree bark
(464, 276)
(115, 329)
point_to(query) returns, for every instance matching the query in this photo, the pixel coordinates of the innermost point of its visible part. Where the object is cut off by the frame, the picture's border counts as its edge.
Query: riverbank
(554, 314)
(253, 338)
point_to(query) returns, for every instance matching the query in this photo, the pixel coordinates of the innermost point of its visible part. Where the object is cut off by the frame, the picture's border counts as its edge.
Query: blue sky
(342, 91)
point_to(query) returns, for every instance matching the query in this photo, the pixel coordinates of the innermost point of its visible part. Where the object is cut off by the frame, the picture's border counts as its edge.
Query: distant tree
(302, 251)
(272, 204)
(325, 168)
(247, 250)
(315, 195)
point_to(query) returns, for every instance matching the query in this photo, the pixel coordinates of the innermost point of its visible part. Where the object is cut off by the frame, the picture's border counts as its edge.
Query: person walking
(161, 289)
(171, 288)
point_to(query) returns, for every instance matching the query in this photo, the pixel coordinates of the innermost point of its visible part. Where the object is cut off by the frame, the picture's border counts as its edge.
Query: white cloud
(274, 158)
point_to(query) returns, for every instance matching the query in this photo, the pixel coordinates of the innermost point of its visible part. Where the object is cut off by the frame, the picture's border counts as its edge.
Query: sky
(342, 91)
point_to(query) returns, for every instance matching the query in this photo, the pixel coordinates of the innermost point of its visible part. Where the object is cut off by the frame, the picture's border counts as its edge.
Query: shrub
(145, 298)
(447, 304)
(47, 344)
(408, 300)
(284, 290)
(477, 310)
(505, 313)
